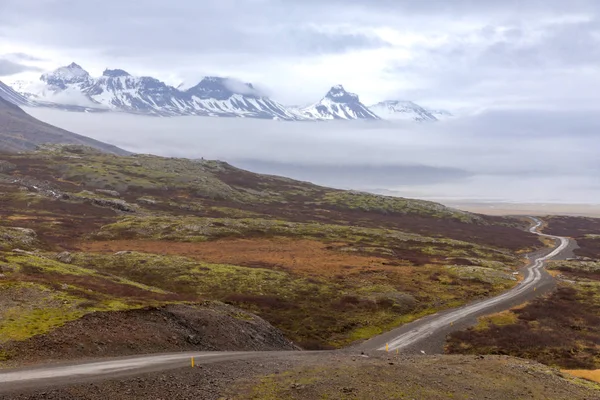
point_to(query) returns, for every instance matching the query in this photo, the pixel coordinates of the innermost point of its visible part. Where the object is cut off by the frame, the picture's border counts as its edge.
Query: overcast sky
(459, 54)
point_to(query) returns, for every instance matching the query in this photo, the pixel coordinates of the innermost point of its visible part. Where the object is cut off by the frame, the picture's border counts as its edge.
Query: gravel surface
(336, 375)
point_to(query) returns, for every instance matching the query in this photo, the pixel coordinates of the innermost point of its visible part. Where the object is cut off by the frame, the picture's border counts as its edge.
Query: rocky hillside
(206, 326)
(21, 132)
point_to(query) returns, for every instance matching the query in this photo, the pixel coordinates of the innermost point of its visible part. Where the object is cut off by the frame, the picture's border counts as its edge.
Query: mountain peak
(338, 104)
(74, 65)
(338, 94)
(220, 88)
(72, 73)
(114, 73)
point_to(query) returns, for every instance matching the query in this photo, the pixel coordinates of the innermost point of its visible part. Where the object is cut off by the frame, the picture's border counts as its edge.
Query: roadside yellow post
(534, 289)
(451, 323)
(192, 362)
(387, 347)
(397, 351)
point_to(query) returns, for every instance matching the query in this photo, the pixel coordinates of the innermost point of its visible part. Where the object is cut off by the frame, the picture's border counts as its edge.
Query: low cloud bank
(502, 155)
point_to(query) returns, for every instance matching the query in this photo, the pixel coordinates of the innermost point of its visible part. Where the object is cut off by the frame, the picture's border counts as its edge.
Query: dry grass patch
(306, 257)
(590, 375)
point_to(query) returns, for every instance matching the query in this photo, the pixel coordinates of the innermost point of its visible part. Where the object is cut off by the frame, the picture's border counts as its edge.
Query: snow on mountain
(64, 76)
(8, 94)
(118, 90)
(228, 97)
(72, 88)
(441, 114)
(338, 104)
(402, 110)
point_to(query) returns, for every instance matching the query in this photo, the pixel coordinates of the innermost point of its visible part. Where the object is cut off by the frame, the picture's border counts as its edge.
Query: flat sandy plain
(540, 209)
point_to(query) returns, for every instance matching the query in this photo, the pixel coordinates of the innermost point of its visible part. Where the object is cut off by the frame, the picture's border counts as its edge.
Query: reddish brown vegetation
(561, 330)
(578, 227)
(298, 256)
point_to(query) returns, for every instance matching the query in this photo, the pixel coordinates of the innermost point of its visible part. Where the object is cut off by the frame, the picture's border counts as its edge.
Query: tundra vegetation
(561, 329)
(84, 232)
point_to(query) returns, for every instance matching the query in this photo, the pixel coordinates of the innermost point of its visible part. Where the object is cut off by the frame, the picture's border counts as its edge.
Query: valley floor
(506, 208)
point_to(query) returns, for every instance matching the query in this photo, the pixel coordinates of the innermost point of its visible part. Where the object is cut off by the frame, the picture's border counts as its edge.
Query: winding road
(419, 331)
(426, 333)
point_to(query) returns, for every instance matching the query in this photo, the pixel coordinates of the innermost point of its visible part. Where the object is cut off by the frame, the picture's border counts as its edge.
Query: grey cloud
(23, 57)
(8, 67)
(465, 7)
(549, 66)
(249, 27)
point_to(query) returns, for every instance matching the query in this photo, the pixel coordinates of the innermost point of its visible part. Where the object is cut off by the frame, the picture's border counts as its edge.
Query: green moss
(483, 274)
(16, 325)
(387, 204)
(499, 319)
(38, 265)
(45, 264)
(366, 332)
(234, 212)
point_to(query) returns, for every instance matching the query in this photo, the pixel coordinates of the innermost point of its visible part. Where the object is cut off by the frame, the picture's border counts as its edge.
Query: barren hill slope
(21, 132)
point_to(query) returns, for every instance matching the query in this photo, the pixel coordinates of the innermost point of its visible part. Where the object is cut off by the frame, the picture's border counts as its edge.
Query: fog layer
(519, 156)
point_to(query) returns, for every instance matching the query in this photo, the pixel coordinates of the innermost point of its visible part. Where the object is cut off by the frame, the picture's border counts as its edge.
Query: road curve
(421, 330)
(403, 338)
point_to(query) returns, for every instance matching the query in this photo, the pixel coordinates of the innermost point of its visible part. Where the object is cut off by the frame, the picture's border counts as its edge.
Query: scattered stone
(122, 253)
(145, 200)
(20, 251)
(119, 205)
(65, 257)
(6, 166)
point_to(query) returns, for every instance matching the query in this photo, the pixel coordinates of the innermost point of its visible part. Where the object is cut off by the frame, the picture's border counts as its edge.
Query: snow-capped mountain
(62, 77)
(72, 88)
(118, 90)
(338, 104)
(228, 97)
(402, 110)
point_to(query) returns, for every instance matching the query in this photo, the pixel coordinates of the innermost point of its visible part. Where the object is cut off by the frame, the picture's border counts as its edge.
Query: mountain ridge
(72, 88)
